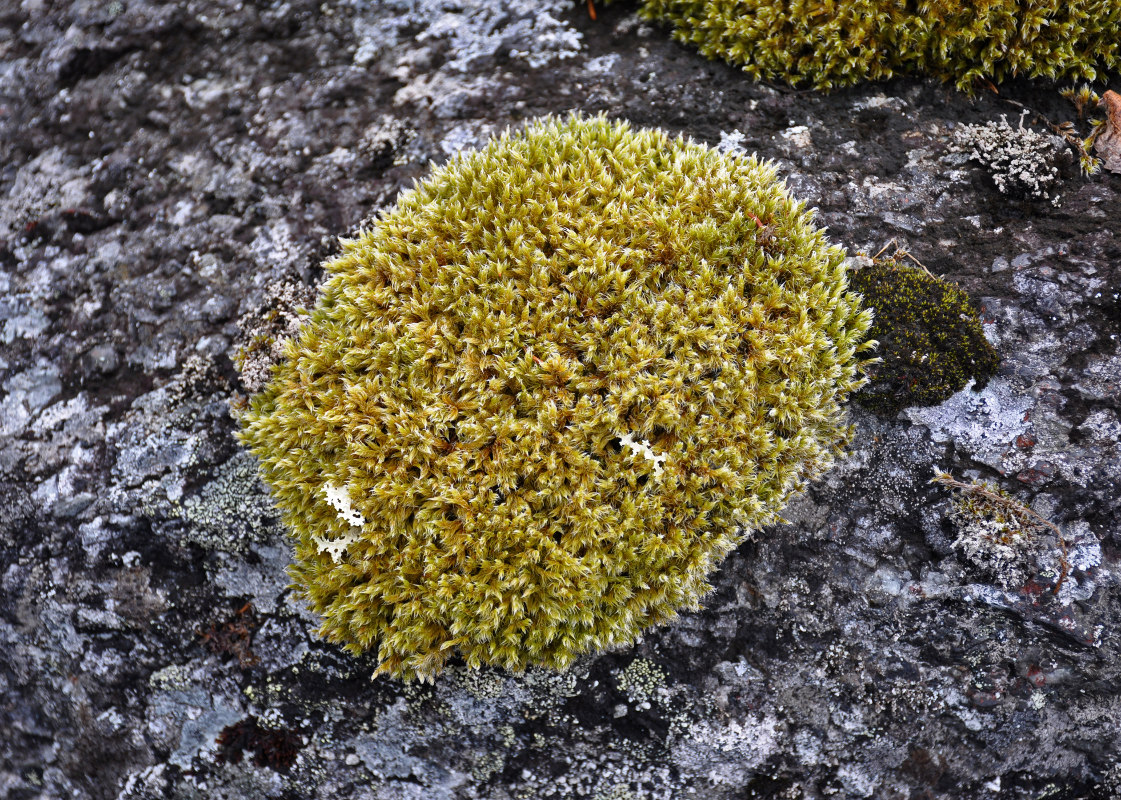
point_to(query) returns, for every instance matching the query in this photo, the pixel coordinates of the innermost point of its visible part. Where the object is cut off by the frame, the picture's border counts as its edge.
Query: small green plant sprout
(830, 43)
(542, 397)
(1004, 538)
(1084, 97)
(929, 331)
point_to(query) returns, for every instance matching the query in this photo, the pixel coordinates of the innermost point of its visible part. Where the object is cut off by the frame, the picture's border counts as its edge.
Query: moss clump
(549, 391)
(830, 43)
(931, 342)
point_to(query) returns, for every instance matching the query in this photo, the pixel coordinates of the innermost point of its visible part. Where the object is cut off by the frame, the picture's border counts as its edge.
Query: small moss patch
(1004, 539)
(931, 342)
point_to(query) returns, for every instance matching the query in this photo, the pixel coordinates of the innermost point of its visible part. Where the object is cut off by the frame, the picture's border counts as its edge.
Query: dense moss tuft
(930, 338)
(545, 395)
(830, 43)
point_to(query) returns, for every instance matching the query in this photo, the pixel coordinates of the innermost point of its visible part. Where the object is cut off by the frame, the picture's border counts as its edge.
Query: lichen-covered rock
(1004, 540)
(851, 653)
(265, 331)
(549, 391)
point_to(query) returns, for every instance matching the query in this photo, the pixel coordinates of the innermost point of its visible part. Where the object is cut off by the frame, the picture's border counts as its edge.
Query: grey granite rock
(163, 166)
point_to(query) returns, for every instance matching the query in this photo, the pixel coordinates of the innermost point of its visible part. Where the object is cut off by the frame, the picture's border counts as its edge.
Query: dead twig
(901, 253)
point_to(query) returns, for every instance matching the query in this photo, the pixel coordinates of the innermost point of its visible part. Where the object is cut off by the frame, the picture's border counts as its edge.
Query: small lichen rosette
(543, 396)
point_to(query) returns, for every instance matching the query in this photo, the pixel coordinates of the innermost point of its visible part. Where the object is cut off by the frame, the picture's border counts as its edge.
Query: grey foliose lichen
(1021, 161)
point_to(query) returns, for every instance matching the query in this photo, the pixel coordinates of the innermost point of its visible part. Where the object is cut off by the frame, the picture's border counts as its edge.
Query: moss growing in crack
(543, 397)
(831, 43)
(931, 341)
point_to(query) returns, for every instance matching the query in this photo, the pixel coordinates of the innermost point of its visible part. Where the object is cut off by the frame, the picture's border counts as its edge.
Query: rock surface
(162, 166)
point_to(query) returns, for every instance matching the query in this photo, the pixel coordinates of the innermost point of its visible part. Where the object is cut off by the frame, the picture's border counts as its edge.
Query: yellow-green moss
(830, 43)
(930, 338)
(545, 395)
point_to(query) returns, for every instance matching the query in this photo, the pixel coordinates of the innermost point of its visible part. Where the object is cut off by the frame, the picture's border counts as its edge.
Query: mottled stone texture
(164, 166)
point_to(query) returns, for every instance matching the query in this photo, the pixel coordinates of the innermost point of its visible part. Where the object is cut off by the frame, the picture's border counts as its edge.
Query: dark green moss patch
(931, 342)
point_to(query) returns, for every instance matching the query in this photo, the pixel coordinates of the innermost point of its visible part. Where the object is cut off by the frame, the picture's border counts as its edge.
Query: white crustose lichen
(339, 499)
(642, 448)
